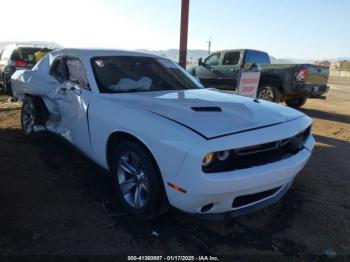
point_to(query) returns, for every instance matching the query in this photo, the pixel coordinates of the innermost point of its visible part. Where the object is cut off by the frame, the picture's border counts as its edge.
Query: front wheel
(138, 181)
(296, 102)
(269, 92)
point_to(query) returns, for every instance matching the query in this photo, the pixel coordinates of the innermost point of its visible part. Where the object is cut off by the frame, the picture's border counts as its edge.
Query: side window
(231, 58)
(76, 72)
(57, 69)
(213, 60)
(257, 57)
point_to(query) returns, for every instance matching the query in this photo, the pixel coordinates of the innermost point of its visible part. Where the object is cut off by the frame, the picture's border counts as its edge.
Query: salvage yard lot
(55, 201)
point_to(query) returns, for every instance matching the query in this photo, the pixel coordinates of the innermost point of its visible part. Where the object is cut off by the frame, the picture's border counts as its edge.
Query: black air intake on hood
(207, 109)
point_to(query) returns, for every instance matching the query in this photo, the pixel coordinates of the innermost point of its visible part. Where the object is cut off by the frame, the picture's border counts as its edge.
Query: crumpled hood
(207, 112)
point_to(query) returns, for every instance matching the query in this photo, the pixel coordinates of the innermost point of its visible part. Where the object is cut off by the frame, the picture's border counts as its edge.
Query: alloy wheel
(132, 179)
(28, 118)
(266, 93)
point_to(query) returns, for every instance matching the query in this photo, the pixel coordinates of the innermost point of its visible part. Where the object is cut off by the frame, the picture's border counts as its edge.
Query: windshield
(123, 74)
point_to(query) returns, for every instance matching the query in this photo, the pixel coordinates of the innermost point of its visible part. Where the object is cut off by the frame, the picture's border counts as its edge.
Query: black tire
(7, 87)
(35, 111)
(2, 85)
(155, 196)
(296, 102)
(269, 92)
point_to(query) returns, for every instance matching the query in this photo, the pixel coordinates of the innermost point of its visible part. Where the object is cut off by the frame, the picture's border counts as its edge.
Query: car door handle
(76, 90)
(233, 69)
(63, 90)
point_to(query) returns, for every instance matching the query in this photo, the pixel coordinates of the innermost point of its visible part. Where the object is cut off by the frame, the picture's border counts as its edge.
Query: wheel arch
(273, 80)
(116, 137)
(44, 113)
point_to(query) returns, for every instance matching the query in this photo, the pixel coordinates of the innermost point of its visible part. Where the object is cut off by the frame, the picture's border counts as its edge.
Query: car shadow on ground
(264, 230)
(326, 115)
(250, 231)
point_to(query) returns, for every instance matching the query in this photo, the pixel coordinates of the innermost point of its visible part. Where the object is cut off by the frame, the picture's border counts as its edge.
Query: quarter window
(76, 72)
(57, 70)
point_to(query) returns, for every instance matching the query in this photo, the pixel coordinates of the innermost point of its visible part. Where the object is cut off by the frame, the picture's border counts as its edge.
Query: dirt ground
(55, 201)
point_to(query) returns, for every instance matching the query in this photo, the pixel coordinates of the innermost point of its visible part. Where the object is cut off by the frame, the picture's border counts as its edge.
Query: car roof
(15, 46)
(240, 50)
(89, 53)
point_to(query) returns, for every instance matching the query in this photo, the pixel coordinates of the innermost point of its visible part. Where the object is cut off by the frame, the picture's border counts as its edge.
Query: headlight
(208, 159)
(211, 157)
(222, 155)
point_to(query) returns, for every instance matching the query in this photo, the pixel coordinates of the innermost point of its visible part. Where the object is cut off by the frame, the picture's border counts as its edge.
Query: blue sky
(285, 28)
(306, 29)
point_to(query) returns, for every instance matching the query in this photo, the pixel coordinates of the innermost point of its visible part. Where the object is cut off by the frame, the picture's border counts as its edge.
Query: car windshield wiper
(133, 90)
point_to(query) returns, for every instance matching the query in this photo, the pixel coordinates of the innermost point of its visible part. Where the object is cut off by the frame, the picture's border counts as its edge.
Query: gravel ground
(55, 201)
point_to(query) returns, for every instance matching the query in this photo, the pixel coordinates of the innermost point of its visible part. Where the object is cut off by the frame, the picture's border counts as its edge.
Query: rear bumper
(310, 91)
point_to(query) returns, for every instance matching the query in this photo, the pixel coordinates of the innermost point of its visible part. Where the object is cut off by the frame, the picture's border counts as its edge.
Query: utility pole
(185, 6)
(209, 45)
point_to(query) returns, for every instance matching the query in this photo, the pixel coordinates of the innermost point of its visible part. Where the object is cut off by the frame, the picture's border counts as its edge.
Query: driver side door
(230, 68)
(73, 98)
(209, 73)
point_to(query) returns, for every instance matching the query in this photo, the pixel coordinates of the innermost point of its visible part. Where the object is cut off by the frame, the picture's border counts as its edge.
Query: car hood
(209, 113)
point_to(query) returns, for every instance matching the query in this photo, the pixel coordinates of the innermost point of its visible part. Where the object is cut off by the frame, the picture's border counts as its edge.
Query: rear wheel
(269, 92)
(296, 102)
(33, 113)
(138, 181)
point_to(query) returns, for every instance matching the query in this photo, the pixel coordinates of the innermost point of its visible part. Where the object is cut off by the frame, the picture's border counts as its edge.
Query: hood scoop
(207, 109)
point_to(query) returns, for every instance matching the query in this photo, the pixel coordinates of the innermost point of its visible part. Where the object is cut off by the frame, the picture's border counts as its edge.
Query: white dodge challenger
(165, 139)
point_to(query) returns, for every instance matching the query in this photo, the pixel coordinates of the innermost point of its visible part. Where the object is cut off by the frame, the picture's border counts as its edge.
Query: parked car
(290, 83)
(163, 137)
(16, 57)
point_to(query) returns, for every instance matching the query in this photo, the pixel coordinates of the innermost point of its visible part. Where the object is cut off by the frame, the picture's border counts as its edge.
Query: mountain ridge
(192, 54)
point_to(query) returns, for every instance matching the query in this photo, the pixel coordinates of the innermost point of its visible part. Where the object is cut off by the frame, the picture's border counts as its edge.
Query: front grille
(252, 198)
(260, 154)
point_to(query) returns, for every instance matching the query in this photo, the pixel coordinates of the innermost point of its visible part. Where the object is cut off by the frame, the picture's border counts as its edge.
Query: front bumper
(222, 189)
(265, 202)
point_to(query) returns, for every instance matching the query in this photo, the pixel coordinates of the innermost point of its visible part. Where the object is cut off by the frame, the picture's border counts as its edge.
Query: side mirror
(200, 62)
(249, 66)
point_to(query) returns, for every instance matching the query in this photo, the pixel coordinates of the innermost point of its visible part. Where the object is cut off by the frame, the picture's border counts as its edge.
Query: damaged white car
(164, 138)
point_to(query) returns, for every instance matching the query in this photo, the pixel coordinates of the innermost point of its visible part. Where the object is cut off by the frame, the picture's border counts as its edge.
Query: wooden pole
(185, 6)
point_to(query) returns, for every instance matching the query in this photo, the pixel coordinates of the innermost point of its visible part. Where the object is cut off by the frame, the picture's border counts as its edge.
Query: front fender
(168, 142)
